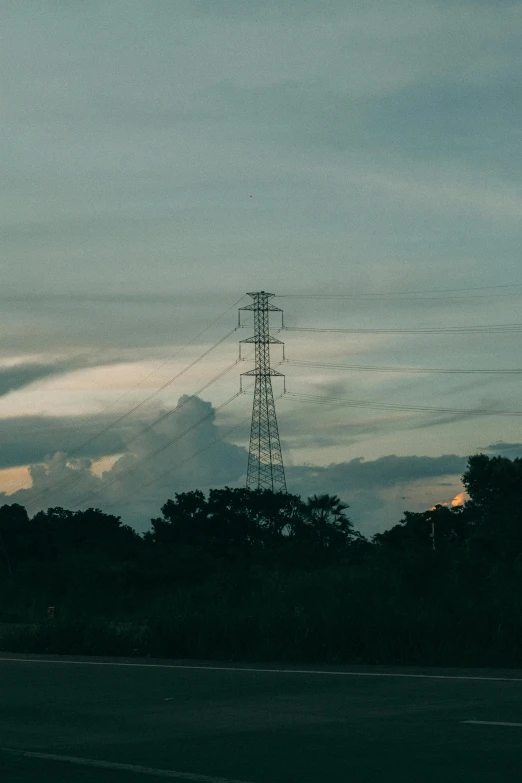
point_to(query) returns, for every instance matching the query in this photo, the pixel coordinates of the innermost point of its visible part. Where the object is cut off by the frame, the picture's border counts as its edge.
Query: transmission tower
(265, 461)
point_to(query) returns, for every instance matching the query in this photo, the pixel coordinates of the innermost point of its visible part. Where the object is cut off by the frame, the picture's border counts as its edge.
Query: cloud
(385, 471)
(459, 499)
(30, 439)
(188, 450)
(187, 453)
(503, 449)
(20, 375)
(378, 491)
(176, 455)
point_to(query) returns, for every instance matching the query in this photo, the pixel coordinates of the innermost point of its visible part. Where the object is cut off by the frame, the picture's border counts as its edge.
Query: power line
(392, 294)
(413, 370)
(153, 372)
(156, 421)
(173, 440)
(147, 399)
(489, 329)
(73, 479)
(156, 369)
(264, 340)
(150, 396)
(340, 401)
(411, 297)
(179, 465)
(154, 453)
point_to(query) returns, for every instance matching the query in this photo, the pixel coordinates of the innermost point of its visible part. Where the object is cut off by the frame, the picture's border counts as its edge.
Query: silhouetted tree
(19, 537)
(331, 527)
(414, 531)
(494, 485)
(230, 523)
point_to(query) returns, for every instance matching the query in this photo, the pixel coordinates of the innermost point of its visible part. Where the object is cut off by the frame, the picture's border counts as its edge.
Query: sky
(160, 160)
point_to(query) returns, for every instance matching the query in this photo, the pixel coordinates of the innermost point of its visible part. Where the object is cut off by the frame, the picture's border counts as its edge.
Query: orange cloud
(13, 479)
(459, 499)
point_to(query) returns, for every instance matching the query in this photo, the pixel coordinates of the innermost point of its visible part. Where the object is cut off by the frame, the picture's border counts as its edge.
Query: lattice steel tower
(265, 461)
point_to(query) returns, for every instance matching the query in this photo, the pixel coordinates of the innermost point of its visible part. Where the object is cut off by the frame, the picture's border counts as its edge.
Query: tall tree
(327, 522)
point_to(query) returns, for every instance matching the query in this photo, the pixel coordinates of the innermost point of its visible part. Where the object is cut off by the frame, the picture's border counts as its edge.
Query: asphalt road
(271, 725)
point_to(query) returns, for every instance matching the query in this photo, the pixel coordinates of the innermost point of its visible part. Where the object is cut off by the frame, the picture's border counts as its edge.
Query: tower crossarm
(261, 305)
(266, 339)
(268, 371)
(269, 306)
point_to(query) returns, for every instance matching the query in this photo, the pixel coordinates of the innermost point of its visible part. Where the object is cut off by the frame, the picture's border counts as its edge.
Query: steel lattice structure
(265, 461)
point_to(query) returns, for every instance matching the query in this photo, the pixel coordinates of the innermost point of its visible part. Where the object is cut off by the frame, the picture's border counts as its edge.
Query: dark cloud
(21, 375)
(425, 421)
(504, 449)
(431, 121)
(30, 439)
(357, 474)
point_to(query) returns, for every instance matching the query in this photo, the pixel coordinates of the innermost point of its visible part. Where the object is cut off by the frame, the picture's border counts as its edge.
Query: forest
(240, 575)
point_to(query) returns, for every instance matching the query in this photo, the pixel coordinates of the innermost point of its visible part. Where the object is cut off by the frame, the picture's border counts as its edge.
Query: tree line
(253, 575)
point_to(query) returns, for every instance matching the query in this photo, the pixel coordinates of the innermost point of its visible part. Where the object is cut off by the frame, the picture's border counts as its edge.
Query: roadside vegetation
(255, 576)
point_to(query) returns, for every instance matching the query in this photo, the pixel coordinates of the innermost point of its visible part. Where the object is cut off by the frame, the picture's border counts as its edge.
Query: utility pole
(265, 461)
(432, 534)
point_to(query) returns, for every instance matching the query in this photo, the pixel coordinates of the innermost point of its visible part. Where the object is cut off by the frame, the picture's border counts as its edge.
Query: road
(141, 720)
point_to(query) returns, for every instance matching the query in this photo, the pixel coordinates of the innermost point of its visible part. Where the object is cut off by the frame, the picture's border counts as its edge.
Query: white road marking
(268, 671)
(492, 723)
(159, 773)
